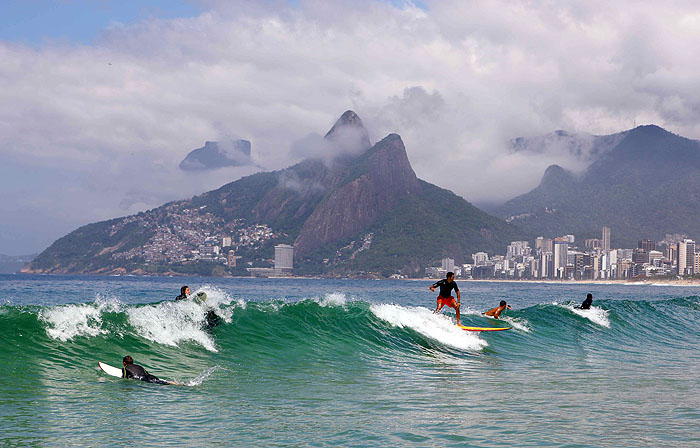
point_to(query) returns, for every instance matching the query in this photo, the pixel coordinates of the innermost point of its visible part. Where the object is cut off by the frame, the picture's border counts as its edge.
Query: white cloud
(457, 80)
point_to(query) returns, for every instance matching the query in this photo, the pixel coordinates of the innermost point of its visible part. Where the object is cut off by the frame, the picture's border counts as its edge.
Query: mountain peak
(217, 155)
(554, 176)
(348, 130)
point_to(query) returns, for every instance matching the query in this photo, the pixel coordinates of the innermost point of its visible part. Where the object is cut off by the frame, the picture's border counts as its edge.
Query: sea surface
(347, 363)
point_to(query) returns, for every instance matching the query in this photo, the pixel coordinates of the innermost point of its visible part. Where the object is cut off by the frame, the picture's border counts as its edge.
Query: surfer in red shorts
(445, 298)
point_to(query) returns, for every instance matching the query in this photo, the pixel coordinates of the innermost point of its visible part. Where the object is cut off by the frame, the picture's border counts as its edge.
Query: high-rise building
(606, 239)
(640, 256)
(546, 265)
(284, 257)
(561, 249)
(646, 245)
(686, 257)
(655, 257)
(226, 241)
(543, 244)
(448, 264)
(480, 258)
(593, 244)
(671, 253)
(518, 249)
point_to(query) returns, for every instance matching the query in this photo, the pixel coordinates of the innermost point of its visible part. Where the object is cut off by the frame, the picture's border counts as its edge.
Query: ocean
(347, 363)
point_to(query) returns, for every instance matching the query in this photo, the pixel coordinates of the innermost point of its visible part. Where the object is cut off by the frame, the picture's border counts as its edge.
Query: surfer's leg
(439, 306)
(154, 379)
(457, 312)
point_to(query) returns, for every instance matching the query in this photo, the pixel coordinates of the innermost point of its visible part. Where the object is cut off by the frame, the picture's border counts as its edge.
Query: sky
(101, 100)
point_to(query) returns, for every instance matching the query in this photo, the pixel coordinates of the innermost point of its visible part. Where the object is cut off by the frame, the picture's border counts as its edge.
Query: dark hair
(503, 303)
(589, 296)
(128, 359)
(450, 274)
(182, 290)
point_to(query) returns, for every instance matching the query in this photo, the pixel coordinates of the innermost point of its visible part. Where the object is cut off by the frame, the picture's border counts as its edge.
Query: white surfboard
(109, 370)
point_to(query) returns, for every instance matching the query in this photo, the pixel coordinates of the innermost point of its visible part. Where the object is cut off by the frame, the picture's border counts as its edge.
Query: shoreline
(648, 282)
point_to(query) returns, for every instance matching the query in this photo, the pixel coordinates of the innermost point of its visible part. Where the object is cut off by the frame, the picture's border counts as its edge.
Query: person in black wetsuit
(586, 305)
(446, 286)
(131, 370)
(184, 292)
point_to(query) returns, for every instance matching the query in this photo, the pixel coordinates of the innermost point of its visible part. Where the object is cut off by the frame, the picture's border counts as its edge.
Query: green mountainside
(646, 186)
(362, 212)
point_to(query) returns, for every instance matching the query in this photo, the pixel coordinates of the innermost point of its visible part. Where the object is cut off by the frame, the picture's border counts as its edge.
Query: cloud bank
(91, 132)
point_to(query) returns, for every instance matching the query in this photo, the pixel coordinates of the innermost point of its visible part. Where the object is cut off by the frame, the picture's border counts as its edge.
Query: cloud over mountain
(457, 80)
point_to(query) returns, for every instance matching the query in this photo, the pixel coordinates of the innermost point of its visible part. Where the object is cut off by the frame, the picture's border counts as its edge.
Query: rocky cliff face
(375, 182)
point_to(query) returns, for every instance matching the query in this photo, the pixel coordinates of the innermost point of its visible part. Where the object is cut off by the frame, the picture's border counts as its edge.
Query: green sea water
(299, 362)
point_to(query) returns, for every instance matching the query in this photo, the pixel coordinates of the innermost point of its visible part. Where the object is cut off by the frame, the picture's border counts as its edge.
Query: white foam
(594, 314)
(68, 321)
(333, 299)
(202, 376)
(216, 298)
(517, 323)
(170, 323)
(435, 326)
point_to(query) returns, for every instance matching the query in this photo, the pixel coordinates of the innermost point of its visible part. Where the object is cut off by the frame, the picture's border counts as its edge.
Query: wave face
(356, 363)
(271, 327)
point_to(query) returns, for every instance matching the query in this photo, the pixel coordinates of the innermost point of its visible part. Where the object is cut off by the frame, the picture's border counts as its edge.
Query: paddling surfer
(184, 292)
(131, 370)
(446, 286)
(495, 312)
(586, 305)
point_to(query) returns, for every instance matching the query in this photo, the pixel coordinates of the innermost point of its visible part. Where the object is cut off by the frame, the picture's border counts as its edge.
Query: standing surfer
(446, 286)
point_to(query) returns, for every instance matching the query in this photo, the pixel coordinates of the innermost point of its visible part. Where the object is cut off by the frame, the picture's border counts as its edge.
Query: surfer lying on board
(586, 305)
(445, 298)
(131, 370)
(495, 312)
(184, 292)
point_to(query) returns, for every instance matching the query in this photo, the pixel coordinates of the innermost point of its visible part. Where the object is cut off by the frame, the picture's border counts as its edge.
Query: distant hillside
(359, 211)
(646, 185)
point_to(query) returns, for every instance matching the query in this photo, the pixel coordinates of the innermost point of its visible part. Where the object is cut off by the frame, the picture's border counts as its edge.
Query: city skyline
(554, 258)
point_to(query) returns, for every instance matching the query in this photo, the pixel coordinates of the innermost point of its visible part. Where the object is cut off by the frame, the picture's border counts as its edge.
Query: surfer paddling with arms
(495, 312)
(184, 292)
(586, 305)
(131, 370)
(446, 286)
